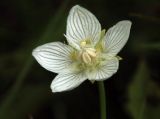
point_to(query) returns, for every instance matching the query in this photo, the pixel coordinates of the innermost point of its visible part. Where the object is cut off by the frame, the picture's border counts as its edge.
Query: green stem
(102, 99)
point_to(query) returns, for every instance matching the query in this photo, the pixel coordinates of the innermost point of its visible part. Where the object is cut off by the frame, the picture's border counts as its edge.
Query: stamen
(86, 58)
(88, 53)
(91, 52)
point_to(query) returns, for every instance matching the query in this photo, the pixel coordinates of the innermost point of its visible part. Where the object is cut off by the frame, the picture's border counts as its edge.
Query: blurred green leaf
(153, 112)
(31, 98)
(145, 47)
(138, 91)
(51, 31)
(145, 17)
(151, 46)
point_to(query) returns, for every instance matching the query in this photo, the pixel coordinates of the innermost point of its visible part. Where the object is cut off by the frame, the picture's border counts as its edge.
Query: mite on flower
(91, 52)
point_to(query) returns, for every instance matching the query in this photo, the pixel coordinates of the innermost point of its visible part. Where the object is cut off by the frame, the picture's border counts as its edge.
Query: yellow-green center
(88, 54)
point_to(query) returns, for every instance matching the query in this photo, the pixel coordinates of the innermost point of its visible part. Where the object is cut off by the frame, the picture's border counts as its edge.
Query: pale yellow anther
(88, 52)
(86, 58)
(91, 52)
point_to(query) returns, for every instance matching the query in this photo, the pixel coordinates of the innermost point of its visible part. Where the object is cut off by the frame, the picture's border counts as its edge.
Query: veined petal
(66, 82)
(53, 56)
(117, 36)
(82, 25)
(104, 71)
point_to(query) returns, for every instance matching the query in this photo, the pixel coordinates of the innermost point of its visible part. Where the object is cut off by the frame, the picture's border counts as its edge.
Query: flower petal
(54, 56)
(104, 71)
(66, 82)
(81, 25)
(117, 36)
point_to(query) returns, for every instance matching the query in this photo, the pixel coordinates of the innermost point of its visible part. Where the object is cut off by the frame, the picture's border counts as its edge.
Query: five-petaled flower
(90, 54)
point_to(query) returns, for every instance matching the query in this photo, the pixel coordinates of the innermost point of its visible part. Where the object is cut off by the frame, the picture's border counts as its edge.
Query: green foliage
(25, 24)
(29, 99)
(138, 92)
(46, 36)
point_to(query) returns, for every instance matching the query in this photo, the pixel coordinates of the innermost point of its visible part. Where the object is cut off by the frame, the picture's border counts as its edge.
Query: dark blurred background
(132, 93)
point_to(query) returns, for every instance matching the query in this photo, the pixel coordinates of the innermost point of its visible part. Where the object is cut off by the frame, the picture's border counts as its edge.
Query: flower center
(88, 54)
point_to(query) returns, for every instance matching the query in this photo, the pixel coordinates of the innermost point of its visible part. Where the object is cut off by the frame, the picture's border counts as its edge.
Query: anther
(91, 52)
(86, 58)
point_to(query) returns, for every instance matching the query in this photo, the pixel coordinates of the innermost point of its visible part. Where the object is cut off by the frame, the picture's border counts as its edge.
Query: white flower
(91, 53)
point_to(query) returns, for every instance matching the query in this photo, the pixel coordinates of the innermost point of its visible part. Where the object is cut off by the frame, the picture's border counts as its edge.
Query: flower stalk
(102, 100)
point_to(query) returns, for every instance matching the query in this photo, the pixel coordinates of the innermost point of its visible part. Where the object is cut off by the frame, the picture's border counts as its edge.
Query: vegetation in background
(133, 93)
